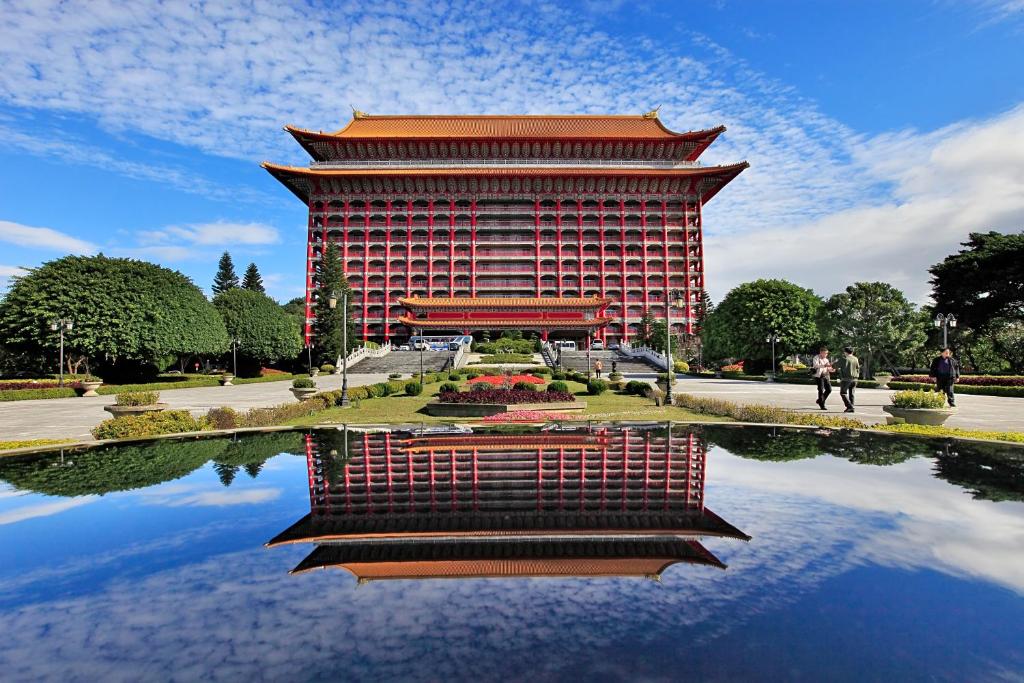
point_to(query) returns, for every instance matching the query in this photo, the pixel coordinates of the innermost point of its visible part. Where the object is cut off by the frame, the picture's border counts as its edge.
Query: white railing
(364, 352)
(658, 359)
(477, 163)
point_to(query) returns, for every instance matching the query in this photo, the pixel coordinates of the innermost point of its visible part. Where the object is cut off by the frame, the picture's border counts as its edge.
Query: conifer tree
(252, 279)
(327, 327)
(225, 278)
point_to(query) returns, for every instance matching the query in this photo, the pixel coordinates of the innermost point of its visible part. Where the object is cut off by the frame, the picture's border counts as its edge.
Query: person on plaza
(614, 365)
(822, 368)
(597, 368)
(945, 371)
(848, 371)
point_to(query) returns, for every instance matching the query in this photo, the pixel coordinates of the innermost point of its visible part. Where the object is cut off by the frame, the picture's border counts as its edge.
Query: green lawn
(406, 409)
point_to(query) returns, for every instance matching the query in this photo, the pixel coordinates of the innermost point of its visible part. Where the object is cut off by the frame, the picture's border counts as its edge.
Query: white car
(597, 345)
(404, 347)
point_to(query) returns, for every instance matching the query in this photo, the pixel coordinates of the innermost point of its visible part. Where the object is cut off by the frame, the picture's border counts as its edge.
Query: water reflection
(589, 502)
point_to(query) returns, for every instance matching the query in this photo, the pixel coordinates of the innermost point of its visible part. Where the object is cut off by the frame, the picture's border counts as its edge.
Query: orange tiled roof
(283, 170)
(561, 126)
(493, 301)
(544, 322)
(482, 569)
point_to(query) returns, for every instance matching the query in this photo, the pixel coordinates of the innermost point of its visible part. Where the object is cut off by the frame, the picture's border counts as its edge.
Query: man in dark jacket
(945, 371)
(848, 370)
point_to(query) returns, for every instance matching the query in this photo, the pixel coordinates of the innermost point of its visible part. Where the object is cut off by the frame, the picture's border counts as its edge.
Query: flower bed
(499, 380)
(526, 416)
(970, 380)
(505, 396)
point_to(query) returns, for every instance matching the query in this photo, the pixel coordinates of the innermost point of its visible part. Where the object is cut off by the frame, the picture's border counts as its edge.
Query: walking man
(822, 367)
(848, 370)
(945, 371)
(597, 368)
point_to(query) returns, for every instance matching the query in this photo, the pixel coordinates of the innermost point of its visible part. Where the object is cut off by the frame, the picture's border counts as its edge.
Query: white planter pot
(932, 417)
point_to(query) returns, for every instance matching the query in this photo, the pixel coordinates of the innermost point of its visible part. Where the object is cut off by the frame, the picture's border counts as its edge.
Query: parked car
(404, 347)
(597, 345)
(613, 346)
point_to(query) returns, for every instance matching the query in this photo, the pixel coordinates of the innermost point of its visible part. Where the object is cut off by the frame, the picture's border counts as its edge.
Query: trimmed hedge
(192, 382)
(810, 381)
(137, 398)
(558, 385)
(413, 388)
(596, 387)
(150, 424)
(972, 380)
(761, 413)
(32, 394)
(929, 430)
(506, 396)
(1011, 392)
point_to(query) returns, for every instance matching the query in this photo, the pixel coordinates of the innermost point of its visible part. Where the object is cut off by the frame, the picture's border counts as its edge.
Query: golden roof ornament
(357, 114)
(652, 114)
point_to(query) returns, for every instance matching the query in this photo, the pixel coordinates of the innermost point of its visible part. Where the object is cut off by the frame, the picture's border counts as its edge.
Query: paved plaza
(72, 418)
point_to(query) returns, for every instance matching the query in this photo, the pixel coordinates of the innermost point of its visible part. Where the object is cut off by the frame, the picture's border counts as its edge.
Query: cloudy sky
(879, 134)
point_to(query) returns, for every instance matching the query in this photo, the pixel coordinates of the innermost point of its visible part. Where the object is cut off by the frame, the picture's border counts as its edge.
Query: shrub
(636, 387)
(470, 374)
(918, 399)
(507, 358)
(655, 394)
(482, 386)
(303, 383)
(558, 375)
(149, 424)
(224, 418)
(448, 387)
(761, 413)
(413, 388)
(523, 386)
(30, 394)
(932, 430)
(1017, 392)
(681, 366)
(137, 398)
(453, 377)
(596, 387)
(615, 376)
(734, 368)
(540, 372)
(485, 394)
(395, 375)
(327, 368)
(972, 380)
(558, 385)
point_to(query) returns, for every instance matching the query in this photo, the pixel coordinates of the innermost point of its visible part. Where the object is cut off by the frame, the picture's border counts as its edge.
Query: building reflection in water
(593, 502)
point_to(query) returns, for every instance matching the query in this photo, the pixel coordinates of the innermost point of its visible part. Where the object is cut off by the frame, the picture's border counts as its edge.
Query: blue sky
(879, 133)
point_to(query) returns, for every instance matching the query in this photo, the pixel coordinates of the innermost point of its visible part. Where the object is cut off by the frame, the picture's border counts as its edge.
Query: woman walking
(822, 367)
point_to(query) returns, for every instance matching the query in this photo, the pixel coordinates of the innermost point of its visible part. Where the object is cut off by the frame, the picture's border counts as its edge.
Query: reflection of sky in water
(876, 572)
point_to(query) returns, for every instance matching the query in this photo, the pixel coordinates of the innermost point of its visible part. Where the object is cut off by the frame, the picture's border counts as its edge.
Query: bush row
(761, 413)
(29, 394)
(805, 379)
(972, 380)
(150, 424)
(930, 430)
(505, 396)
(1017, 392)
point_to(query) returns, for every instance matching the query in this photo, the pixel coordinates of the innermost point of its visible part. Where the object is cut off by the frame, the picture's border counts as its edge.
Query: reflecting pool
(599, 552)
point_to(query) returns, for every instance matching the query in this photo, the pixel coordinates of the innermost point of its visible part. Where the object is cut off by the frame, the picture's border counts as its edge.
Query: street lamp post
(234, 357)
(590, 343)
(333, 303)
(945, 322)
(773, 339)
(59, 325)
(674, 298)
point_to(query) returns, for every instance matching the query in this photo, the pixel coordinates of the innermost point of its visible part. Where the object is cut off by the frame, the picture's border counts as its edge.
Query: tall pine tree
(327, 327)
(252, 280)
(225, 278)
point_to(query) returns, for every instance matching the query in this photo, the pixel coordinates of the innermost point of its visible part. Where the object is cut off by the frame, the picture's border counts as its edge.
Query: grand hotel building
(556, 224)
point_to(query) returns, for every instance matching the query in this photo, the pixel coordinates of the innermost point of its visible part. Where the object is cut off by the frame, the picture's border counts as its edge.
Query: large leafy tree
(225, 278)
(130, 317)
(265, 332)
(749, 313)
(327, 327)
(876, 319)
(983, 286)
(252, 279)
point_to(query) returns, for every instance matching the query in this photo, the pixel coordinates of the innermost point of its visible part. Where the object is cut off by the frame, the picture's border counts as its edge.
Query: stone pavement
(975, 412)
(72, 418)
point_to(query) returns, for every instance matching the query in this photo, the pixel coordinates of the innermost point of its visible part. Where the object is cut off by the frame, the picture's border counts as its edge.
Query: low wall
(438, 409)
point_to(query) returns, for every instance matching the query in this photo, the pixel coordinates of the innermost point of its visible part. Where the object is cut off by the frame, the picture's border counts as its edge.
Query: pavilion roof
(495, 559)
(298, 179)
(503, 302)
(460, 323)
(529, 126)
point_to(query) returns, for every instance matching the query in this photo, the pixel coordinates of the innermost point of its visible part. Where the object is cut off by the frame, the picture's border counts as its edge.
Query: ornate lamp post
(945, 322)
(59, 325)
(674, 298)
(333, 303)
(773, 339)
(234, 356)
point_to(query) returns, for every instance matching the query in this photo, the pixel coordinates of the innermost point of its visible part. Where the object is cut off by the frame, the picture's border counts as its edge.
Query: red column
(536, 239)
(451, 246)
(430, 247)
(558, 244)
(622, 252)
(643, 252)
(472, 247)
(387, 272)
(408, 248)
(664, 237)
(366, 472)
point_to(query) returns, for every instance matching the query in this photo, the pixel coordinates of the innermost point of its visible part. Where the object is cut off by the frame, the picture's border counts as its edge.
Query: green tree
(131, 318)
(984, 282)
(646, 336)
(265, 332)
(750, 312)
(252, 279)
(225, 278)
(877, 320)
(327, 328)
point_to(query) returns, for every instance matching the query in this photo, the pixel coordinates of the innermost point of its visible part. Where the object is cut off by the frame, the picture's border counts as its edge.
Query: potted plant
(135, 402)
(883, 378)
(920, 407)
(89, 385)
(303, 388)
(226, 379)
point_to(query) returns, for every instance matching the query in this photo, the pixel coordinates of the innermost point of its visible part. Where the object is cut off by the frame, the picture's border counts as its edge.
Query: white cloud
(186, 242)
(43, 238)
(188, 495)
(944, 185)
(46, 509)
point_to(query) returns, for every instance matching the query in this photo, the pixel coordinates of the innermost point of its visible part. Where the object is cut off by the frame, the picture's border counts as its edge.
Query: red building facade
(483, 207)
